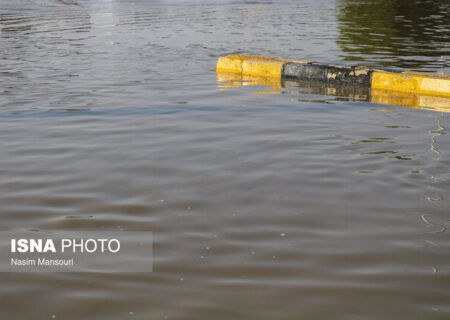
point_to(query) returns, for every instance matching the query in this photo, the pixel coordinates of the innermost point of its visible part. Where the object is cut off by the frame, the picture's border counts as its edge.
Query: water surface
(299, 203)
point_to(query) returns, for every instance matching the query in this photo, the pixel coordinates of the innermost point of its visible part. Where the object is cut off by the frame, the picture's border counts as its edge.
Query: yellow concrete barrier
(253, 65)
(412, 82)
(267, 67)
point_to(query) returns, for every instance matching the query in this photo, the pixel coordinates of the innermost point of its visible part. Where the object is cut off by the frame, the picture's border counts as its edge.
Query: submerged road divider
(403, 81)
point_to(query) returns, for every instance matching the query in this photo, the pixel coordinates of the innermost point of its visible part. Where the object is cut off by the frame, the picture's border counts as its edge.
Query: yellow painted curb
(413, 82)
(253, 65)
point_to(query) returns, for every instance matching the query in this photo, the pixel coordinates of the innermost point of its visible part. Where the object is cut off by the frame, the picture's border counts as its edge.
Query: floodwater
(264, 203)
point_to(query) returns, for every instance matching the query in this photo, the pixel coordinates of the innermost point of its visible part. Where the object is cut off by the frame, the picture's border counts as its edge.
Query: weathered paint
(236, 63)
(342, 75)
(253, 65)
(289, 68)
(229, 64)
(262, 68)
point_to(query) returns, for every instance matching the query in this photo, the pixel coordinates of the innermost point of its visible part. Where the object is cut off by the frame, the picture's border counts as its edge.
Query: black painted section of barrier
(341, 75)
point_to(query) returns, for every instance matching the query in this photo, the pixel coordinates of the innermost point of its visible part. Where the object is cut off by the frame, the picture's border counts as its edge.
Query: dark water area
(395, 33)
(294, 202)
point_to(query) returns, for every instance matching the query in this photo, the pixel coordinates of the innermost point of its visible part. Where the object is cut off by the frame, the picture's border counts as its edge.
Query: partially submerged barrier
(402, 88)
(404, 81)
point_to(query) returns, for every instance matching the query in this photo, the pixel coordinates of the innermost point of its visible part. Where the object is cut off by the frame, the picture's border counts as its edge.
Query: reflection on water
(343, 93)
(435, 133)
(419, 101)
(411, 34)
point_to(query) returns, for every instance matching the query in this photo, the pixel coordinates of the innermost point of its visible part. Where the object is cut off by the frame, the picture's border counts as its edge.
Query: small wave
(55, 2)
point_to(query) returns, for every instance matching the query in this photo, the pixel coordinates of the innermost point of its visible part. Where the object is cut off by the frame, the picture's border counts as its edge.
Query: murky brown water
(299, 205)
